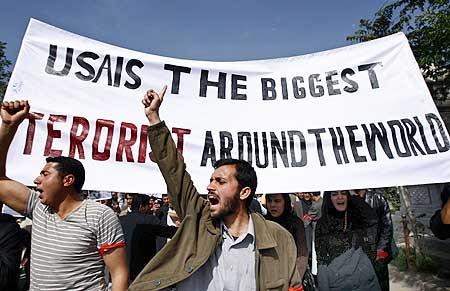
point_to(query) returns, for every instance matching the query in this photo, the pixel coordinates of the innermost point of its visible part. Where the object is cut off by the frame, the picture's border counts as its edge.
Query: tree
(4, 70)
(426, 23)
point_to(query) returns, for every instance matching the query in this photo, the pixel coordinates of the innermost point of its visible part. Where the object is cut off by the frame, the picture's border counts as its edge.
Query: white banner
(353, 117)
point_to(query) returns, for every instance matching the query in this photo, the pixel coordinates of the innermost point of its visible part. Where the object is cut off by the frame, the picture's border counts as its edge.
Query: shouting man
(220, 245)
(72, 238)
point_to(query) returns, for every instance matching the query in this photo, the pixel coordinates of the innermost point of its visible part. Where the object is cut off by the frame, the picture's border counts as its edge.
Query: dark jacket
(339, 234)
(439, 229)
(129, 223)
(10, 251)
(336, 233)
(145, 244)
(295, 226)
(199, 234)
(384, 229)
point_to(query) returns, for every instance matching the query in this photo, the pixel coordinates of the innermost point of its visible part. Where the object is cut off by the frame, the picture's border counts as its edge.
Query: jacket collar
(263, 238)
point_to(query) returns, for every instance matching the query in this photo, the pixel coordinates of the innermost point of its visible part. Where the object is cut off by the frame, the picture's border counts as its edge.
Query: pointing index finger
(163, 92)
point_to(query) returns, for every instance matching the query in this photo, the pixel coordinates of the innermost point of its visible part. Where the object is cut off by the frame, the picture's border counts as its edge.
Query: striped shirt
(66, 254)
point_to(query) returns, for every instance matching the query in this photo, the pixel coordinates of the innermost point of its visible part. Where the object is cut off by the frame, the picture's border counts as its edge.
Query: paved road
(406, 281)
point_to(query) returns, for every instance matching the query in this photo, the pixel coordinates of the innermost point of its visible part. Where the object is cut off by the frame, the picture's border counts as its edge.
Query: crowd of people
(228, 239)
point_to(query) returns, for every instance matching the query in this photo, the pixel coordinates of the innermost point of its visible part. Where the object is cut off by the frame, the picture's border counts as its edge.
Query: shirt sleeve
(33, 200)
(110, 234)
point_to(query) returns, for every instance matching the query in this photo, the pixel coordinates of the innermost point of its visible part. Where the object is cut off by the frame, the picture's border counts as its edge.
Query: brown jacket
(199, 235)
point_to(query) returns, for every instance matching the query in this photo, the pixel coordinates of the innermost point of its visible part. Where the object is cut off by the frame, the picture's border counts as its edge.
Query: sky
(197, 30)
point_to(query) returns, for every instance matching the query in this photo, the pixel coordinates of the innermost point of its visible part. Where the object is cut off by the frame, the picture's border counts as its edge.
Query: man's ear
(68, 180)
(245, 193)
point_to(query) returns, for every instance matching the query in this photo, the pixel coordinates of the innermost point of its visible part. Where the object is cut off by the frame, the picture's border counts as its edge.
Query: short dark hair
(245, 175)
(138, 201)
(68, 165)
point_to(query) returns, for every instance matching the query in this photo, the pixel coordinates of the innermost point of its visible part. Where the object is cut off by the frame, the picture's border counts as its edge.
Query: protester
(259, 198)
(385, 231)
(280, 211)
(155, 210)
(165, 200)
(440, 221)
(301, 209)
(139, 215)
(70, 234)
(255, 206)
(10, 251)
(316, 207)
(121, 198)
(115, 205)
(129, 200)
(219, 246)
(151, 202)
(24, 269)
(345, 243)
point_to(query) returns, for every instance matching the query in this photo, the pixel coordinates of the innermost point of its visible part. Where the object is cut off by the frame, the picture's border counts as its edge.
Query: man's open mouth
(40, 192)
(213, 199)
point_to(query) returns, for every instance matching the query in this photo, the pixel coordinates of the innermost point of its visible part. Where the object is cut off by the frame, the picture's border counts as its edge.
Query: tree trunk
(406, 197)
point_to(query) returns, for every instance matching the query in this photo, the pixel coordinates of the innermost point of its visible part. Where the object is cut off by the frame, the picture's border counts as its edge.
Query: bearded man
(220, 245)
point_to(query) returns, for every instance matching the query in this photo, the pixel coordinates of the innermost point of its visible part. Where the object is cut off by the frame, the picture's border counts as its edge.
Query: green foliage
(4, 72)
(400, 261)
(425, 264)
(393, 197)
(426, 23)
(421, 263)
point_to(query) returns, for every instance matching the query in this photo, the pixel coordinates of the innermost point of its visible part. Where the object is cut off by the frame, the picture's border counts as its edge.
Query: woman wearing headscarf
(279, 210)
(345, 243)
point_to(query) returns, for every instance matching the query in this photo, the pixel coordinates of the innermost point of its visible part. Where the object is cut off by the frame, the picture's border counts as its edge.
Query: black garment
(129, 223)
(144, 244)
(162, 214)
(255, 206)
(338, 233)
(384, 236)
(295, 226)
(334, 235)
(385, 229)
(10, 251)
(24, 276)
(439, 229)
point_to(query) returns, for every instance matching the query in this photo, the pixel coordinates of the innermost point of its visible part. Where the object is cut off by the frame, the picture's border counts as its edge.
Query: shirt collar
(250, 229)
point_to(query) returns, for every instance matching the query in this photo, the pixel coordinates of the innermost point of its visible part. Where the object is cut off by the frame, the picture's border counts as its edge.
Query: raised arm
(181, 189)
(12, 193)
(152, 101)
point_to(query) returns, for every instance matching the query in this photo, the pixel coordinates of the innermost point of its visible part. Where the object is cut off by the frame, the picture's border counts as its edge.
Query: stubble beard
(229, 207)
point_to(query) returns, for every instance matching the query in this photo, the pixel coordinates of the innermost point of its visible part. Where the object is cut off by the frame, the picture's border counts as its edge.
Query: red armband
(296, 289)
(382, 254)
(105, 248)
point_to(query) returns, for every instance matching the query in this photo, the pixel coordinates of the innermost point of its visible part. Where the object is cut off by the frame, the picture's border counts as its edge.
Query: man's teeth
(213, 199)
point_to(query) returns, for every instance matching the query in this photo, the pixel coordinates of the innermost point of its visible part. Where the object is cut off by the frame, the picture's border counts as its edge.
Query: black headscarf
(286, 219)
(359, 214)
